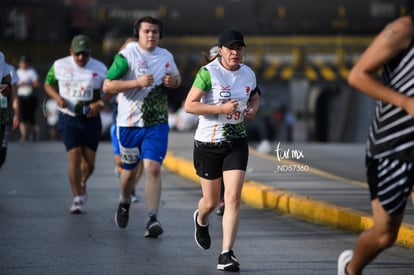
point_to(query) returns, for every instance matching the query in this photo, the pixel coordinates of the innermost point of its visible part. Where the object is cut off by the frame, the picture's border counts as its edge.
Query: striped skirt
(391, 181)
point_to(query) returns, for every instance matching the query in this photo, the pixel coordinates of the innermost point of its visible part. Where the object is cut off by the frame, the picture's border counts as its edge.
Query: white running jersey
(3, 69)
(143, 107)
(3, 73)
(13, 73)
(225, 85)
(78, 84)
(14, 79)
(26, 78)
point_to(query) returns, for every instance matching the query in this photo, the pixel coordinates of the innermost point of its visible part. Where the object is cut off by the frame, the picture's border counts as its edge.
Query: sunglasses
(83, 53)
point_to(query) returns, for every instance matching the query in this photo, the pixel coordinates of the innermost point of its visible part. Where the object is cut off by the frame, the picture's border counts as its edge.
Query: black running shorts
(79, 131)
(211, 159)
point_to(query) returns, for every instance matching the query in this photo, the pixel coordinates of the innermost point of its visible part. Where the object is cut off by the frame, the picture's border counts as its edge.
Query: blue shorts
(114, 139)
(79, 131)
(138, 143)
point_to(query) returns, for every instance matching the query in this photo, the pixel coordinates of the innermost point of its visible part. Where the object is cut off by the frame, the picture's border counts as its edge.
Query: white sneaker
(134, 197)
(343, 261)
(77, 204)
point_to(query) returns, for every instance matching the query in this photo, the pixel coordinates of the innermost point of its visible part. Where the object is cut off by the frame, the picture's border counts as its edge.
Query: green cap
(81, 43)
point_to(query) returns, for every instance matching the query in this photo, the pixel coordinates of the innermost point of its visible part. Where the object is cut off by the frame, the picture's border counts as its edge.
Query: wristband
(101, 103)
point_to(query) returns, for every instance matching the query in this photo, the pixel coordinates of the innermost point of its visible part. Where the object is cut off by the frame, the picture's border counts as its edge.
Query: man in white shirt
(139, 74)
(75, 83)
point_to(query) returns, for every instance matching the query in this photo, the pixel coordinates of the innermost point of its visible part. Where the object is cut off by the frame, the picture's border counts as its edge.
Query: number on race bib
(81, 91)
(236, 117)
(129, 155)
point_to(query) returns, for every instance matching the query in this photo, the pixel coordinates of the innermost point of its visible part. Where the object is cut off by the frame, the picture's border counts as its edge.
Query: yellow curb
(180, 166)
(261, 196)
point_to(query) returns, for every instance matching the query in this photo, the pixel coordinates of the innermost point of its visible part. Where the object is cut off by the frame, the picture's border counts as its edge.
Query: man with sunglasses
(75, 83)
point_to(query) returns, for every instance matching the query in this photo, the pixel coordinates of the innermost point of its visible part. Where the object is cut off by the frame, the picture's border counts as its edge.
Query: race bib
(140, 71)
(236, 117)
(81, 91)
(129, 155)
(3, 102)
(24, 90)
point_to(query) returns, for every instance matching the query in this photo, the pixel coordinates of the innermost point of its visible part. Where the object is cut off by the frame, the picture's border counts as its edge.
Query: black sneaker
(122, 215)
(153, 227)
(201, 235)
(228, 262)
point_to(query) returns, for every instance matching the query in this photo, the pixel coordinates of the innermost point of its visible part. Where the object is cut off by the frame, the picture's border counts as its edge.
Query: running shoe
(343, 261)
(153, 228)
(134, 197)
(77, 204)
(228, 262)
(201, 235)
(122, 215)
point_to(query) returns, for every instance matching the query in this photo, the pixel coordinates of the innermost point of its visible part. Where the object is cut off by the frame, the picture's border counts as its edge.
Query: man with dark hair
(390, 146)
(140, 74)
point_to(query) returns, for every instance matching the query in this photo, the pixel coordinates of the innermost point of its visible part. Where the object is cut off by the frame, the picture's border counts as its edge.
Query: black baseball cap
(229, 37)
(81, 43)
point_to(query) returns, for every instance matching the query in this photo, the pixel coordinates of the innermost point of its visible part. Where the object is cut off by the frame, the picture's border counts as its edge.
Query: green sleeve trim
(50, 77)
(203, 80)
(118, 68)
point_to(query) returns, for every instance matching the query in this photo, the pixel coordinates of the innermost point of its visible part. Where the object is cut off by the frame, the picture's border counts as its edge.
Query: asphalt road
(39, 236)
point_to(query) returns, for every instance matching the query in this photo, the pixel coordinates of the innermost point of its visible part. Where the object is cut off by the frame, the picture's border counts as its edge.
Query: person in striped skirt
(390, 145)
